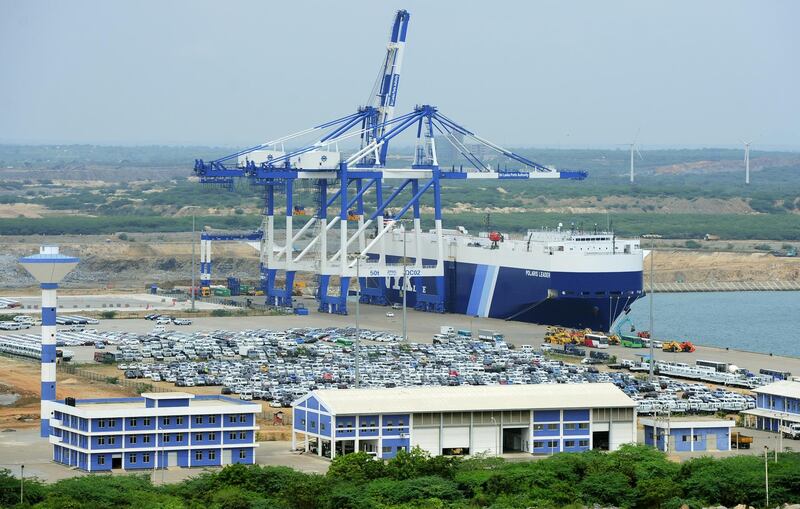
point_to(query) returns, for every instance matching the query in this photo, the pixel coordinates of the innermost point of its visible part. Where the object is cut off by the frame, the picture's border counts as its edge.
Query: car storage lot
(280, 364)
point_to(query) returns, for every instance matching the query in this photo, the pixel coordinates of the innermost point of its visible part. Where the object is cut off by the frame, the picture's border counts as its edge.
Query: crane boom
(384, 95)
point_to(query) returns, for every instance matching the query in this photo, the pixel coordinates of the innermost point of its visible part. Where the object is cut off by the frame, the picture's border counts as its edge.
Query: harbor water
(767, 322)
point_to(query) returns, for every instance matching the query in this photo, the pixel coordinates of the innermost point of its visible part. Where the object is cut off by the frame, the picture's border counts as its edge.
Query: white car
(163, 321)
(390, 314)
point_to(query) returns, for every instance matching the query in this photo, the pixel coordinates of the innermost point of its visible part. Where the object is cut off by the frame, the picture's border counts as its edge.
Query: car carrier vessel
(561, 277)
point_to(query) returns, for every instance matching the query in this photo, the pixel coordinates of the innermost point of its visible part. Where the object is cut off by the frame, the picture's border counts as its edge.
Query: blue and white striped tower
(49, 268)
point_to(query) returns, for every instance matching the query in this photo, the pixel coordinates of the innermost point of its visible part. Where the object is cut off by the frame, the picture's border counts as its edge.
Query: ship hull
(570, 299)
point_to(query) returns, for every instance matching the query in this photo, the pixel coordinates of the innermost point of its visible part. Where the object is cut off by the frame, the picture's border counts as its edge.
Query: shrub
(693, 244)
(122, 236)
(762, 247)
(108, 315)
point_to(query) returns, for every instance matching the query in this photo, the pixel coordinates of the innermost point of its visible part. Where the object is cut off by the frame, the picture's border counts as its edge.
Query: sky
(519, 72)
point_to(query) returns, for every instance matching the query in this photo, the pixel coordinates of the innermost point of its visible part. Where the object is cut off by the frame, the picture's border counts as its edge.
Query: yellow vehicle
(205, 291)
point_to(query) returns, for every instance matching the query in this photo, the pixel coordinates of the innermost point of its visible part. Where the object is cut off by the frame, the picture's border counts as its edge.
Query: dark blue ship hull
(569, 299)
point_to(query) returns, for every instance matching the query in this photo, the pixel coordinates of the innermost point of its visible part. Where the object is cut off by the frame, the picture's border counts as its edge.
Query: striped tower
(49, 268)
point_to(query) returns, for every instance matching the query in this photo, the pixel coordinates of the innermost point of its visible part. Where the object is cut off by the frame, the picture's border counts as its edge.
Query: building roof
(681, 423)
(786, 388)
(167, 395)
(473, 398)
(131, 407)
(772, 414)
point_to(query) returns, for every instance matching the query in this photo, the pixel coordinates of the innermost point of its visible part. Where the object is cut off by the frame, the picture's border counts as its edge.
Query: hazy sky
(533, 73)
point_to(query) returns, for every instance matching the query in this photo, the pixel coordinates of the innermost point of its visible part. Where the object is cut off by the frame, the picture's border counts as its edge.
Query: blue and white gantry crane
(342, 180)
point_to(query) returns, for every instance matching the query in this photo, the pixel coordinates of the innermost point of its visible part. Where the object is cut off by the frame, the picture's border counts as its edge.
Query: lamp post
(405, 282)
(21, 483)
(766, 474)
(358, 325)
(194, 290)
(48, 267)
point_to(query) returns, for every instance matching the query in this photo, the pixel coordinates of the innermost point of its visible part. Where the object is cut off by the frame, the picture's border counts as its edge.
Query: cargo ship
(562, 277)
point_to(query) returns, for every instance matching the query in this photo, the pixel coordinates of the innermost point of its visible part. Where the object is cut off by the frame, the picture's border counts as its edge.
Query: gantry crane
(271, 166)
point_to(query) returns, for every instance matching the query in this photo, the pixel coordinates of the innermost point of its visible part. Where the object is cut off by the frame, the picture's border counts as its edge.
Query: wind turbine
(747, 161)
(635, 147)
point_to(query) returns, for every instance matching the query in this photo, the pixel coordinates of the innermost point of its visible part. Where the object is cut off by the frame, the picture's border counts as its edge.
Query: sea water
(767, 322)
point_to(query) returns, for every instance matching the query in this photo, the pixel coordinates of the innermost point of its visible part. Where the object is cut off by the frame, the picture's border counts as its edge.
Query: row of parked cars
(280, 366)
(167, 320)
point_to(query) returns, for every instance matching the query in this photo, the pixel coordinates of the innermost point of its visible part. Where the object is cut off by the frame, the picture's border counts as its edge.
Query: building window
(133, 423)
(538, 427)
(101, 440)
(179, 420)
(322, 426)
(101, 460)
(101, 423)
(212, 455)
(212, 436)
(198, 455)
(242, 418)
(242, 435)
(231, 436)
(146, 421)
(552, 427)
(212, 419)
(242, 454)
(231, 418)
(112, 440)
(112, 423)
(684, 438)
(537, 444)
(387, 449)
(131, 458)
(198, 437)
(165, 438)
(552, 444)
(314, 424)
(302, 422)
(146, 439)
(179, 437)
(165, 421)
(569, 426)
(132, 439)
(146, 457)
(583, 443)
(569, 443)
(583, 425)
(198, 420)
(401, 423)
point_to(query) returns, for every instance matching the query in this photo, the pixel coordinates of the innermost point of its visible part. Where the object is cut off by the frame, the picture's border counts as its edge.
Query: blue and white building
(157, 430)
(777, 404)
(680, 435)
(465, 420)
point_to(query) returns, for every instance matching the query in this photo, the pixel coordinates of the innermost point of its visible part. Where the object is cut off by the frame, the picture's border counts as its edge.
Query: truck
(446, 330)
(739, 441)
(790, 430)
(489, 335)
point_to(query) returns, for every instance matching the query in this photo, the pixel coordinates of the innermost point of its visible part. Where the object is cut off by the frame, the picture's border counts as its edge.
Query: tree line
(632, 477)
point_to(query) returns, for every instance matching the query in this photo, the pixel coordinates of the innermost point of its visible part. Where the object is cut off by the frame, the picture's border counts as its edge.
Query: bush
(762, 247)
(221, 312)
(122, 236)
(693, 244)
(113, 380)
(108, 315)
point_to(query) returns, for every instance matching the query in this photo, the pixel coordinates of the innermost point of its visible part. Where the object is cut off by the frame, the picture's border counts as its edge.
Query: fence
(138, 387)
(727, 286)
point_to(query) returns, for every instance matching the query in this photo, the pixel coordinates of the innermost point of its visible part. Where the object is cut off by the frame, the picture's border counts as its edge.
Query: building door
(711, 442)
(227, 456)
(600, 440)
(485, 439)
(172, 459)
(428, 440)
(116, 461)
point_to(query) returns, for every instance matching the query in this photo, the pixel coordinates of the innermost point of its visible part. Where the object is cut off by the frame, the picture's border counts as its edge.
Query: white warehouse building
(465, 420)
